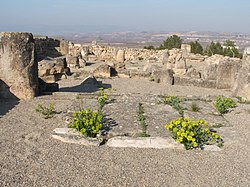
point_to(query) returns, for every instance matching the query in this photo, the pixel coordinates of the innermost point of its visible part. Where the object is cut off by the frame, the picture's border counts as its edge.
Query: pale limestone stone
(120, 57)
(18, 66)
(68, 135)
(186, 49)
(144, 142)
(164, 76)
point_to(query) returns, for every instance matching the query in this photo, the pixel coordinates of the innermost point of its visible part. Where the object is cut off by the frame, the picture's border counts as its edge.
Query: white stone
(68, 135)
(120, 56)
(151, 142)
(81, 141)
(144, 142)
(247, 51)
(61, 130)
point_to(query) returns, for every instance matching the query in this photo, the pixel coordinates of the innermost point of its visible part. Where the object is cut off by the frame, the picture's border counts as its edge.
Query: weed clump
(141, 119)
(175, 102)
(195, 107)
(102, 98)
(217, 125)
(47, 112)
(223, 104)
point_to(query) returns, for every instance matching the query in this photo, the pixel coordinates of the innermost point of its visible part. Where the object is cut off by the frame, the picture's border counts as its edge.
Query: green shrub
(196, 47)
(192, 133)
(171, 42)
(195, 107)
(172, 100)
(175, 102)
(150, 47)
(141, 119)
(102, 98)
(47, 112)
(87, 122)
(223, 104)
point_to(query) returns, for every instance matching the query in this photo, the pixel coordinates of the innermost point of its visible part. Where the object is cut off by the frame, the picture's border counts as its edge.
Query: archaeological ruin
(26, 61)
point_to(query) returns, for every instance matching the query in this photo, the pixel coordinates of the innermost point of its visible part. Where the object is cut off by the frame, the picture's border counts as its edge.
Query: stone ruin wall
(50, 47)
(216, 72)
(52, 64)
(18, 65)
(109, 54)
(18, 58)
(28, 65)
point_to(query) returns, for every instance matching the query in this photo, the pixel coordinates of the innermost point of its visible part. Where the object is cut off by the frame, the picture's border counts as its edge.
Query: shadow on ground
(108, 124)
(6, 106)
(88, 85)
(7, 99)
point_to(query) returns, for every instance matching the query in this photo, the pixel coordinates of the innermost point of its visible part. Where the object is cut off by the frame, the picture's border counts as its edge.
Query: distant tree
(229, 43)
(196, 47)
(230, 49)
(214, 48)
(161, 47)
(150, 47)
(171, 42)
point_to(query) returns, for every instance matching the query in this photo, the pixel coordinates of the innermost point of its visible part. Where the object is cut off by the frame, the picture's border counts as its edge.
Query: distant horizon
(59, 32)
(53, 17)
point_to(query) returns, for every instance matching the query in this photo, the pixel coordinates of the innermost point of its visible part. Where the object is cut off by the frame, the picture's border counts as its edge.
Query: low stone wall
(215, 72)
(186, 81)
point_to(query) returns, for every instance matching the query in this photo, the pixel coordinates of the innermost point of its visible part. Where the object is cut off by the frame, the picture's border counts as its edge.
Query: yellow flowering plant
(87, 122)
(193, 133)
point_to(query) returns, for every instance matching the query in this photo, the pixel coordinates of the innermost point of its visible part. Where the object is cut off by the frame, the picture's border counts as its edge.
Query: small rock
(62, 131)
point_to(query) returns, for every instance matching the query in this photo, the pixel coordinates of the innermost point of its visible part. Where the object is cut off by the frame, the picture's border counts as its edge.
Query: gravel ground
(31, 157)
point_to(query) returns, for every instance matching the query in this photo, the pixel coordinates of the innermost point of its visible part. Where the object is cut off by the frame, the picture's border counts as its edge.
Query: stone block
(18, 65)
(68, 135)
(72, 61)
(192, 72)
(120, 57)
(102, 70)
(144, 142)
(163, 76)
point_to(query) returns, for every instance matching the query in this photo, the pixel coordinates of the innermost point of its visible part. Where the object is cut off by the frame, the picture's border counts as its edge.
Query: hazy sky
(62, 16)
